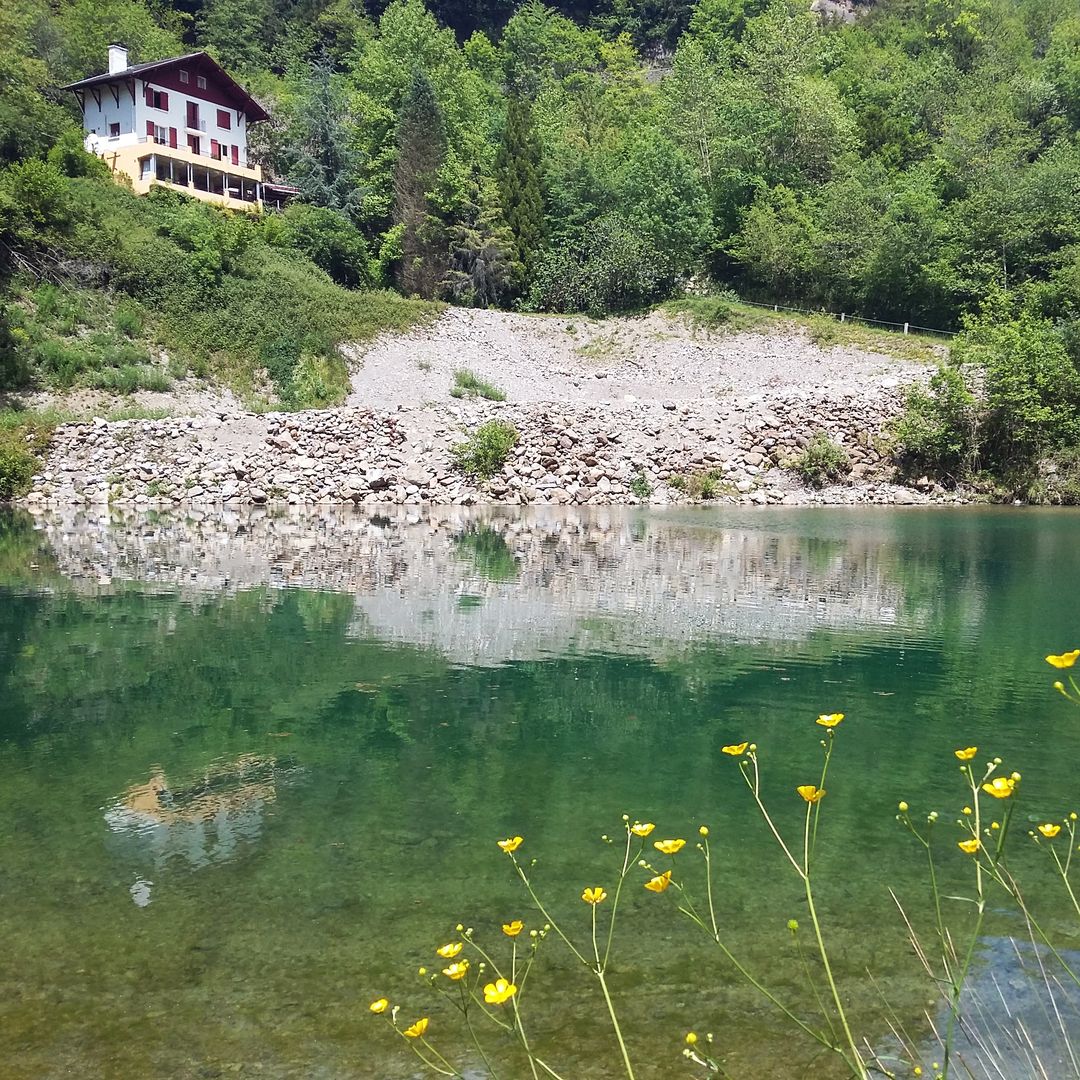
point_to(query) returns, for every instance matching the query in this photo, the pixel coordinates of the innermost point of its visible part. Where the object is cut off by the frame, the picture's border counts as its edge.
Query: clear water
(252, 768)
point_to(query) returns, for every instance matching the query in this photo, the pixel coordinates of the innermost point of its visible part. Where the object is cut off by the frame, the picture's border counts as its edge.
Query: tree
(238, 31)
(323, 162)
(421, 148)
(518, 169)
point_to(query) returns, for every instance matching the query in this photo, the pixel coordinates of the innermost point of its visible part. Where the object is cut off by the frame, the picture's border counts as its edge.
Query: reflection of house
(181, 122)
(203, 822)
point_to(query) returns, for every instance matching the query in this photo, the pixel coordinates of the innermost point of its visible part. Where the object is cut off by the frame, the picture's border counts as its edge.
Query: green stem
(599, 969)
(856, 1061)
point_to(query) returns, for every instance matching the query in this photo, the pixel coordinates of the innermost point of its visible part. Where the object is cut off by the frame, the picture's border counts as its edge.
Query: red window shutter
(224, 120)
(149, 97)
(215, 149)
(172, 137)
(164, 99)
(150, 128)
(236, 155)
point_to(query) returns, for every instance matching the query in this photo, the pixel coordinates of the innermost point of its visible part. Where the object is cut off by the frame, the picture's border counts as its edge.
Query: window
(155, 133)
(224, 119)
(114, 131)
(193, 115)
(157, 99)
(193, 144)
(200, 81)
(184, 76)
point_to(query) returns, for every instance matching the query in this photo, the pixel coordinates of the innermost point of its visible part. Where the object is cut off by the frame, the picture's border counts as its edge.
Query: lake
(254, 765)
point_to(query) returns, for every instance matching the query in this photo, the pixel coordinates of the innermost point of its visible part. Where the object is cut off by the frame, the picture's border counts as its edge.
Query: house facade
(182, 123)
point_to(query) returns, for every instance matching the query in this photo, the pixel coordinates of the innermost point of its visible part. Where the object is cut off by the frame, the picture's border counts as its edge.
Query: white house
(182, 123)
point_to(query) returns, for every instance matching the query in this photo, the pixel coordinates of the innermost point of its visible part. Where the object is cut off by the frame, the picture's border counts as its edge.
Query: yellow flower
(457, 971)
(703, 831)
(511, 843)
(642, 828)
(735, 749)
(1001, 787)
(970, 846)
(1049, 831)
(659, 883)
(379, 1006)
(811, 793)
(1064, 660)
(669, 847)
(512, 929)
(594, 896)
(967, 753)
(448, 952)
(691, 1038)
(499, 991)
(417, 1029)
(830, 719)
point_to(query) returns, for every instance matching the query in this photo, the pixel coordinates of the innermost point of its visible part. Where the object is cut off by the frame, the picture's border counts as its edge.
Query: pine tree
(324, 167)
(421, 146)
(518, 170)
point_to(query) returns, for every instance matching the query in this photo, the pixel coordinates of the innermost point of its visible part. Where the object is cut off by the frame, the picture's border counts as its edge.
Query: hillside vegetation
(920, 164)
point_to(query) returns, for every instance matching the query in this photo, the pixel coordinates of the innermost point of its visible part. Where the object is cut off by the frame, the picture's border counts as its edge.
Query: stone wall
(586, 454)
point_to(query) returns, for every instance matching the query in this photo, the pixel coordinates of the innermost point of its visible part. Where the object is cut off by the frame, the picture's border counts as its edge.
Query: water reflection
(196, 823)
(444, 679)
(490, 587)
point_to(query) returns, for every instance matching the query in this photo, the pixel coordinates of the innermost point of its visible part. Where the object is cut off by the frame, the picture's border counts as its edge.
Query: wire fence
(844, 317)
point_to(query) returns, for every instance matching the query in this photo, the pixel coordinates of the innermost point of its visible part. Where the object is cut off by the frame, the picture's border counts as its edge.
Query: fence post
(776, 307)
(842, 317)
(905, 328)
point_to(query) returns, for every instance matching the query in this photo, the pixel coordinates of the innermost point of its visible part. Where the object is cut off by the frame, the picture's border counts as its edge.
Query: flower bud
(904, 807)
(691, 1038)
(793, 925)
(704, 830)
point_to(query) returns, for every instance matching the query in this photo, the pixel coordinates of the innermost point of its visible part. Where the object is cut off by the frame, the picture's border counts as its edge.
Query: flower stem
(599, 969)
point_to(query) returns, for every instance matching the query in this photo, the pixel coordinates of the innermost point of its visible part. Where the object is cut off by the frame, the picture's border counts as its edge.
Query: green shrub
(822, 461)
(611, 268)
(130, 318)
(698, 486)
(936, 433)
(485, 452)
(1031, 392)
(318, 382)
(640, 487)
(127, 378)
(466, 384)
(17, 466)
(824, 330)
(708, 312)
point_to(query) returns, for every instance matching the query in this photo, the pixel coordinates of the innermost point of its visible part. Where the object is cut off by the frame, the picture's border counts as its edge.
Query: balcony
(203, 156)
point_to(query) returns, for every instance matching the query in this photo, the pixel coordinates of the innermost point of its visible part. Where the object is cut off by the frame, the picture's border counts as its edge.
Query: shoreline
(626, 453)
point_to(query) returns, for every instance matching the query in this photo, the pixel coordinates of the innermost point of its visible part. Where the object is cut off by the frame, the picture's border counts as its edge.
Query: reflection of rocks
(489, 586)
(207, 821)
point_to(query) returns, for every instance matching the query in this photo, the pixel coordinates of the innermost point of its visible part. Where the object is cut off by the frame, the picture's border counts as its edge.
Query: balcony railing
(201, 153)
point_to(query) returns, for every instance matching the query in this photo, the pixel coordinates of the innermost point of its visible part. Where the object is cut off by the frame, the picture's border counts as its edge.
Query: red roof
(201, 62)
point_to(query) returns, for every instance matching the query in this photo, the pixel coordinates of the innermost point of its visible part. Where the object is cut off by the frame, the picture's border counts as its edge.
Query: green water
(252, 769)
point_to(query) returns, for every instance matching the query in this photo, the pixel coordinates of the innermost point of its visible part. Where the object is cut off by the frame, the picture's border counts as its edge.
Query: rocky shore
(604, 453)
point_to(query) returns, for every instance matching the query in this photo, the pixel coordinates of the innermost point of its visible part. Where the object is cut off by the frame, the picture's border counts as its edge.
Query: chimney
(118, 59)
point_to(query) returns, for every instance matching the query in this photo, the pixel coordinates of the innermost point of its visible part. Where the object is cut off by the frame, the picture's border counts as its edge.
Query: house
(182, 123)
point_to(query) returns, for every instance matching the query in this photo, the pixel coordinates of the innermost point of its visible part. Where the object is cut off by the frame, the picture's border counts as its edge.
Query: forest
(917, 160)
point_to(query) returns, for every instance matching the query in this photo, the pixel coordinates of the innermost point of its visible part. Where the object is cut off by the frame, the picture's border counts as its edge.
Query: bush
(822, 461)
(17, 466)
(485, 452)
(318, 382)
(699, 486)
(936, 433)
(130, 318)
(610, 269)
(330, 240)
(1032, 388)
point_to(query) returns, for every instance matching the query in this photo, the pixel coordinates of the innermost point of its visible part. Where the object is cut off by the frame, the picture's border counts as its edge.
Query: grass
(212, 291)
(700, 486)
(466, 384)
(23, 437)
(726, 314)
